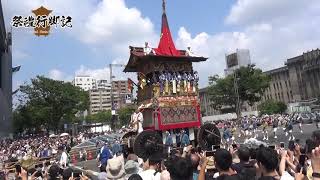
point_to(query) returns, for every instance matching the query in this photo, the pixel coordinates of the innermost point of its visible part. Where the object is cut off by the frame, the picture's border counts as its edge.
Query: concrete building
(102, 84)
(100, 100)
(304, 72)
(84, 82)
(120, 87)
(236, 60)
(298, 80)
(5, 79)
(280, 86)
(205, 103)
(100, 95)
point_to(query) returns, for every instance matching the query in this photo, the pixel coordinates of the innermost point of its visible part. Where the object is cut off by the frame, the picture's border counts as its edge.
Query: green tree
(272, 107)
(49, 103)
(251, 83)
(124, 115)
(100, 117)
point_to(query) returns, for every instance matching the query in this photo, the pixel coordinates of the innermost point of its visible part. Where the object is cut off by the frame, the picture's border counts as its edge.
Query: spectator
(180, 168)
(223, 162)
(154, 165)
(244, 167)
(315, 162)
(67, 173)
(131, 167)
(115, 169)
(267, 160)
(195, 160)
(135, 177)
(54, 172)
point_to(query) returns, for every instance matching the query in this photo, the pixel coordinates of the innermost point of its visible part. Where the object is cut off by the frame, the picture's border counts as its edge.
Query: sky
(102, 31)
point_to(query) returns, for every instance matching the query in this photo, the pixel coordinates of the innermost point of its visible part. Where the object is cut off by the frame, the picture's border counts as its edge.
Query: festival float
(167, 84)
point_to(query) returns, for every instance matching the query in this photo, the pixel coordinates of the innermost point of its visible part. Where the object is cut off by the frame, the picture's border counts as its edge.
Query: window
(88, 79)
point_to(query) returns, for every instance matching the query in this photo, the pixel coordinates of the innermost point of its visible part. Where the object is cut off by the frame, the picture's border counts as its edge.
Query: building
(120, 87)
(84, 82)
(236, 60)
(100, 95)
(280, 86)
(304, 72)
(102, 84)
(298, 80)
(205, 103)
(5, 79)
(100, 100)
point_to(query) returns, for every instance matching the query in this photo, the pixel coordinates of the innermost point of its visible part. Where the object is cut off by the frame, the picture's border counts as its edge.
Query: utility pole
(113, 110)
(236, 90)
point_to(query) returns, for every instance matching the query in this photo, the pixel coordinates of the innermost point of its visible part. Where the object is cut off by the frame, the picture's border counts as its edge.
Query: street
(307, 132)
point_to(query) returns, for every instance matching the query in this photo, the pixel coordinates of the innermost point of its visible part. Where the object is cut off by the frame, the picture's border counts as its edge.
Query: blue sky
(103, 30)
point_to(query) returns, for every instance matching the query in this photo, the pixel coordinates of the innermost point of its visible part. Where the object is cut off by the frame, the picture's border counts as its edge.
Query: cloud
(104, 73)
(259, 11)
(57, 74)
(114, 27)
(98, 74)
(270, 44)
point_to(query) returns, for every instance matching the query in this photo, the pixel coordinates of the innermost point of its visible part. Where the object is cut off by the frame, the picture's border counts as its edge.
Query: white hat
(115, 169)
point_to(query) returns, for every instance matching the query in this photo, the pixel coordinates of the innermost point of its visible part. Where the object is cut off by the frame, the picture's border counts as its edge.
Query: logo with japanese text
(42, 21)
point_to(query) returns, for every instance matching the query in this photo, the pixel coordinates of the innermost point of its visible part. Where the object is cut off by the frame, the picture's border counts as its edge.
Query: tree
(251, 83)
(124, 115)
(100, 117)
(49, 103)
(272, 107)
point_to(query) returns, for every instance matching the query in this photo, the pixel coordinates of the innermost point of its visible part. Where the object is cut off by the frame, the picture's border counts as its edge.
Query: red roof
(166, 45)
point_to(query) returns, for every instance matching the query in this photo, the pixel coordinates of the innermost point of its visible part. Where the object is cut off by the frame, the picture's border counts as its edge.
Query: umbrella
(53, 136)
(64, 134)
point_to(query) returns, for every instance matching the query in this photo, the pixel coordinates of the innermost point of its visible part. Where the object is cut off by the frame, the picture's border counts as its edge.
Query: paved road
(307, 131)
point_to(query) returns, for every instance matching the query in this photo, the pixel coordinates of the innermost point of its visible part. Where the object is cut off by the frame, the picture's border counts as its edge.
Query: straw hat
(115, 169)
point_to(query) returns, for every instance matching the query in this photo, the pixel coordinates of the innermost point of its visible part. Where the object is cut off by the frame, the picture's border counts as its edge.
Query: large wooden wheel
(208, 136)
(147, 143)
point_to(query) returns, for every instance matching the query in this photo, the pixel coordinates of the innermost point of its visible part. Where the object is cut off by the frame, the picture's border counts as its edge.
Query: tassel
(174, 87)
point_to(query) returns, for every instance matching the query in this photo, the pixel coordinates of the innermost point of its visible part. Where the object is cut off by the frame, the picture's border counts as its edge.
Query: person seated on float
(189, 52)
(147, 49)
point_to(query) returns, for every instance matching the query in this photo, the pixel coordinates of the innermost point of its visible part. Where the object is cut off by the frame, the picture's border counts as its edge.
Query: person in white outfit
(137, 120)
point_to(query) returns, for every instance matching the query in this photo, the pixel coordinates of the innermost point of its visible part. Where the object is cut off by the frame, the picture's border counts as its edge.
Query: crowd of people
(180, 161)
(249, 127)
(298, 161)
(49, 150)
